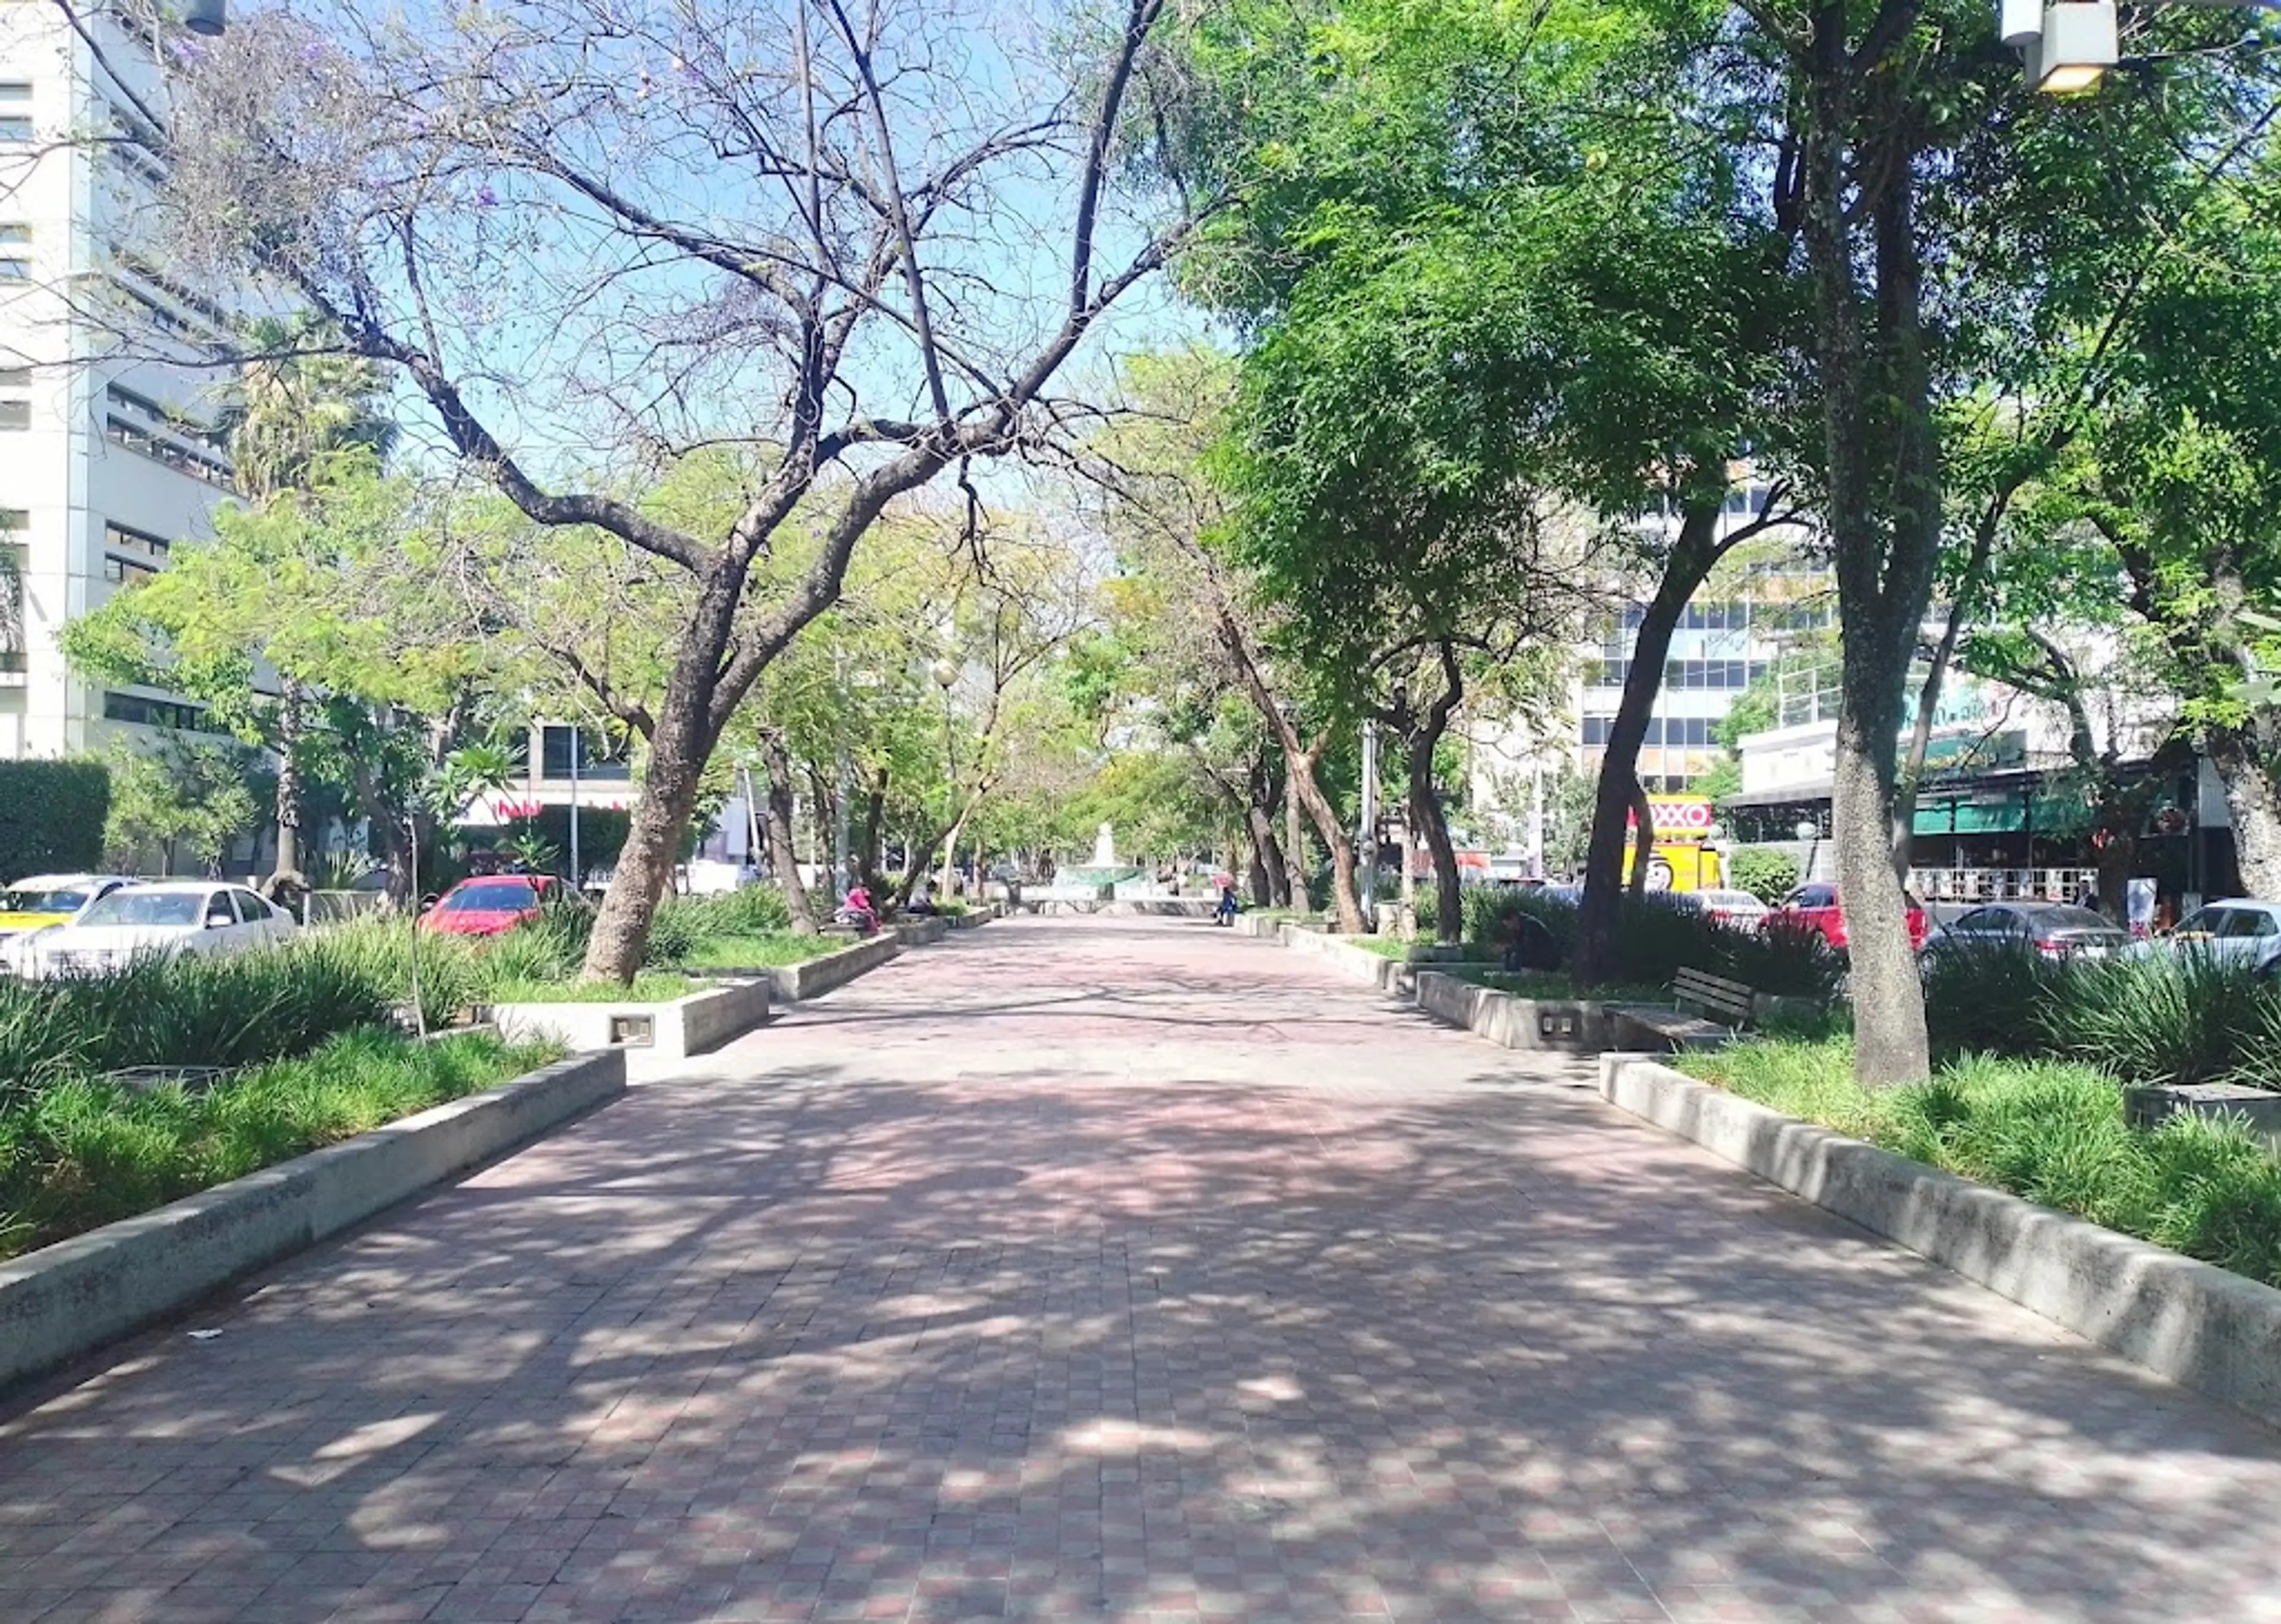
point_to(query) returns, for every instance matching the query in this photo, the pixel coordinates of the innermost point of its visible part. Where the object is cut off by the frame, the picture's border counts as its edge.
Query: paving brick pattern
(1130, 1272)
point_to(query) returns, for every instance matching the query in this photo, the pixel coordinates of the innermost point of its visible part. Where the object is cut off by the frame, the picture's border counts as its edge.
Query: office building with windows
(1766, 601)
(110, 451)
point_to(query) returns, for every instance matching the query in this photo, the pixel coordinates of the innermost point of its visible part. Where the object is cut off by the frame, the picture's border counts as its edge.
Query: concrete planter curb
(922, 933)
(973, 921)
(655, 1032)
(795, 982)
(67, 1299)
(2216, 1332)
(1572, 1025)
(1355, 963)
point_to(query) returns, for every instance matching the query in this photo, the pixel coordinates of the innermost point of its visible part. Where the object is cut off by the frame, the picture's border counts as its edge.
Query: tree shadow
(819, 1344)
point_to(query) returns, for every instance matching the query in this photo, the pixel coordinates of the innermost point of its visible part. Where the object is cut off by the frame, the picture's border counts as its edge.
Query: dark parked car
(2056, 929)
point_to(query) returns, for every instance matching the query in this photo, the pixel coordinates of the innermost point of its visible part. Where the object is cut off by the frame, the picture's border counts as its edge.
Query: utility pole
(1367, 840)
(1536, 820)
(577, 749)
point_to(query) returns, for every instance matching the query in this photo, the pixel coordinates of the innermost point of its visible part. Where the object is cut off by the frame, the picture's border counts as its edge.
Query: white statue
(1104, 848)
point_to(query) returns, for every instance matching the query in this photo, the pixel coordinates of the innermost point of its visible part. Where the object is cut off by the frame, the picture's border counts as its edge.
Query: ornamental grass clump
(2047, 1131)
(2165, 1018)
(86, 1152)
(183, 1010)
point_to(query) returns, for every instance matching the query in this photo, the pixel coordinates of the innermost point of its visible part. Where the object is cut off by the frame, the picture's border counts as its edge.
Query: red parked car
(1816, 908)
(491, 903)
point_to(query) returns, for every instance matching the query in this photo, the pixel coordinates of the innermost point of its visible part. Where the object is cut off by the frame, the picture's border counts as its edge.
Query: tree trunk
(646, 865)
(870, 835)
(1271, 883)
(290, 723)
(1295, 846)
(1692, 555)
(1425, 817)
(1345, 901)
(1883, 470)
(1643, 821)
(776, 823)
(2255, 809)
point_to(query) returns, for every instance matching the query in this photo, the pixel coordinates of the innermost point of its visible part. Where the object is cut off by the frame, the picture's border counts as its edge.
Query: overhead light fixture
(2077, 42)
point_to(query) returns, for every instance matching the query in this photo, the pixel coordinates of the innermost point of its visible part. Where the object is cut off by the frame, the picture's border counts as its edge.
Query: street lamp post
(1369, 830)
(577, 749)
(945, 675)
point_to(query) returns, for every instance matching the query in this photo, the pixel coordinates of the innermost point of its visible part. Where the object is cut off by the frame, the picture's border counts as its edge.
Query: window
(15, 90)
(15, 267)
(15, 415)
(15, 236)
(125, 574)
(2242, 921)
(14, 521)
(135, 708)
(594, 756)
(1595, 730)
(250, 907)
(141, 543)
(15, 127)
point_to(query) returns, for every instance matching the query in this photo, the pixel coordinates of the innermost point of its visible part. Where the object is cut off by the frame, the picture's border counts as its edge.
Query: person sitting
(859, 909)
(1529, 944)
(922, 902)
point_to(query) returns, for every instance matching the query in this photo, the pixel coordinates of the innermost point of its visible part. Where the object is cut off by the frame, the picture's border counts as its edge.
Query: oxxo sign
(1678, 817)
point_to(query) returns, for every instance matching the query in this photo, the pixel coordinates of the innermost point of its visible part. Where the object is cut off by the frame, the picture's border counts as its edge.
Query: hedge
(52, 816)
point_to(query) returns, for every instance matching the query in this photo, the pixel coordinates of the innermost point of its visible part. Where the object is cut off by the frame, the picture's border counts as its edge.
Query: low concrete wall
(691, 1025)
(1355, 963)
(1164, 908)
(68, 1299)
(795, 982)
(1515, 1022)
(922, 933)
(2204, 1328)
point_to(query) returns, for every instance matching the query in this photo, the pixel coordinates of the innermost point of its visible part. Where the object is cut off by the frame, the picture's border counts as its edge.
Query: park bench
(1724, 1006)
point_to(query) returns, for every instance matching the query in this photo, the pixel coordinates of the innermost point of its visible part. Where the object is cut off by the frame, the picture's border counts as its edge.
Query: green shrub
(52, 816)
(2181, 1017)
(183, 1011)
(1784, 964)
(1766, 872)
(83, 1152)
(749, 910)
(2047, 1131)
(454, 971)
(1657, 937)
(1988, 1000)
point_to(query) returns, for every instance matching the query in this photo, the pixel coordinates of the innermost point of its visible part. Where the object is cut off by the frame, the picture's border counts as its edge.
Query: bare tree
(862, 239)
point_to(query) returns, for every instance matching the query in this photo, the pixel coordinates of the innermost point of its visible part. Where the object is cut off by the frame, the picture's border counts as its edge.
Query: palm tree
(301, 406)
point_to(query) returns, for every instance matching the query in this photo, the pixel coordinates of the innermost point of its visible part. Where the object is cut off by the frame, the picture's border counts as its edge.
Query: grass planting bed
(2049, 1131)
(758, 952)
(649, 987)
(81, 1152)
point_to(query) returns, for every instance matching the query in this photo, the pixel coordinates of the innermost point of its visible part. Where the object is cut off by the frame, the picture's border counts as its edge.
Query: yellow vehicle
(1682, 858)
(42, 900)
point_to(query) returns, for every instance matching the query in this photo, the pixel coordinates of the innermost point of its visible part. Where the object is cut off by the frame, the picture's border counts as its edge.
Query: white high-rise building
(108, 454)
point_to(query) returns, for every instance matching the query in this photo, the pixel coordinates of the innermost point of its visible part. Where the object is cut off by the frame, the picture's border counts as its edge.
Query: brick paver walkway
(1124, 1272)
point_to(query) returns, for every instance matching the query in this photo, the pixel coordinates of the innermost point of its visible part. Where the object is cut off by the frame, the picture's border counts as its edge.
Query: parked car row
(91, 924)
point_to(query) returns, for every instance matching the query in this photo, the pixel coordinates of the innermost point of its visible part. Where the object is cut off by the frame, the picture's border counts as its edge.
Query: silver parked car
(2240, 931)
(2056, 929)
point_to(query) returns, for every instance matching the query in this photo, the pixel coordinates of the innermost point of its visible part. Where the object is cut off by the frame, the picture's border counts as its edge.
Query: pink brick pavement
(1127, 1272)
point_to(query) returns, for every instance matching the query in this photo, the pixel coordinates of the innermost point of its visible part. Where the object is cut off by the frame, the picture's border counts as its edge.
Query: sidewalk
(1125, 1270)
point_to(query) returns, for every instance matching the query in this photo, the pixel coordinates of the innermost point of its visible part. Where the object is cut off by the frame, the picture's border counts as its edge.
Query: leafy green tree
(186, 792)
(333, 588)
(820, 288)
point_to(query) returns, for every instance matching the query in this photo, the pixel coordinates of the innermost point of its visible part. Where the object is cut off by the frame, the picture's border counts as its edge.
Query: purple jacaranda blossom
(485, 197)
